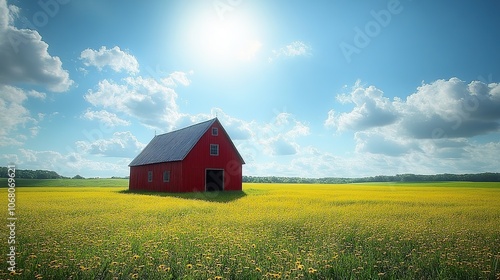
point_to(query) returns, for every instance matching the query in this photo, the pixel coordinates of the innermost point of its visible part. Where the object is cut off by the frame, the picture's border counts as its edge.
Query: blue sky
(323, 89)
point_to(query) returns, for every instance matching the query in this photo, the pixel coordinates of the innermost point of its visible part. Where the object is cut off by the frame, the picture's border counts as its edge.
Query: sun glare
(225, 42)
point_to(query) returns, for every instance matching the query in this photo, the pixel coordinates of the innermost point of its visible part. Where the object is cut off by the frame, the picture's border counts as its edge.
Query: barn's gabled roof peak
(172, 146)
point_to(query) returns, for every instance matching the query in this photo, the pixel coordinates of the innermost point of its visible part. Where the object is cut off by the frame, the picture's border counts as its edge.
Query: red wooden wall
(199, 159)
(189, 175)
(139, 177)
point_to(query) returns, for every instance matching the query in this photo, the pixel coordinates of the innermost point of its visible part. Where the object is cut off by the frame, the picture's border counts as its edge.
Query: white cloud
(37, 94)
(452, 107)
(371, 109)
(296, 48)
(278, 137)
(146, 99)
(309, 162)
(13, 115)
(113, 58)
(453, 157)
(431, 127)
(383, 143)
(25, 58)
(66, 164)
(109, 119)
(282, 147)
(177, 77)
(122, 144)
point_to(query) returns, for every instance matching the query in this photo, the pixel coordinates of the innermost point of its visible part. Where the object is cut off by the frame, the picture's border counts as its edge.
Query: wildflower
(38, 276)
(253, 245)
(189, 266)
(312, 270)
(135, 257)
(114, 263)
(218, 278)
(258, 269)
(134, 276)
(300, 267)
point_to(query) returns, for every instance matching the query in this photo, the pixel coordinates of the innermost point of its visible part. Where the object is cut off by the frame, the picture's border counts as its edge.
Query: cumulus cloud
(279, 136)
(177, 77)
(451, 109)
(121, 144)
(114, 58)
(25, 57)
(282, 147)
(445, 108)
(433, 121)
(146, 99)
(14, 115)
(66, 164)
(296, 48)
(371, 109)
(36, 94)
(378, 143)
(107, 118)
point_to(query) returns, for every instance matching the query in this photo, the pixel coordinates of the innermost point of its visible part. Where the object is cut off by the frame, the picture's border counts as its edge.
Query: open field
(351, 231)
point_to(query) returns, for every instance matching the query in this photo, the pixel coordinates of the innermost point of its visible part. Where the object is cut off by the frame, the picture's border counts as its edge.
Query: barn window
(214, 149)
(215, 131)
(166, 176)
(150, 176)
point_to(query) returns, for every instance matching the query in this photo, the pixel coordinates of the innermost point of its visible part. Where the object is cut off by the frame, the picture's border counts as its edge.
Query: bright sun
(225, 41)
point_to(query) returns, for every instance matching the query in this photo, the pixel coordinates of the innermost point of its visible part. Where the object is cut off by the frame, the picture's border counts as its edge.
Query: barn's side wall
(199, 159)
(139, 177)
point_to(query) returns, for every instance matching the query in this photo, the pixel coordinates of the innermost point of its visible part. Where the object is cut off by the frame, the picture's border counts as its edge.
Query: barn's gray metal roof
(172, 146)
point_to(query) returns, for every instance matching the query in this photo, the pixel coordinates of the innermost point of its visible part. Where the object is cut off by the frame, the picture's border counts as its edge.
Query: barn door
(214, 180)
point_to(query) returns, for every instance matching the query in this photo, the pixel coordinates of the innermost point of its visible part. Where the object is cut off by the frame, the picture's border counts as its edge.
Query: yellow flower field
(277, 231)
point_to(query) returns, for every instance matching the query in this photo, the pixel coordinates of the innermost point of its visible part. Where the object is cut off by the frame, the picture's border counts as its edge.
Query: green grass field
(351, 231)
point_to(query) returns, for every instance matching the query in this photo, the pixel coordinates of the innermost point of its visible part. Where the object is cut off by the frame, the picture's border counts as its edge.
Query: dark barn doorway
(214, 180)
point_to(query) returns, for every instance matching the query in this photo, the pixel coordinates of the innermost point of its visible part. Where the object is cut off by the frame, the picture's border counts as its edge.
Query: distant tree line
(479, 177)
(31, 174)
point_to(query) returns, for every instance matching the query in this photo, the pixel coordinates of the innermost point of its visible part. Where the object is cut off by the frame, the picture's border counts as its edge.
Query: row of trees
(479, 177)
(31, 174)
(41, 174)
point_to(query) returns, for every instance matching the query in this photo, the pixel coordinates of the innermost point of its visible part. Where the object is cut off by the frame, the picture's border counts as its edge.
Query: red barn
(200, 157)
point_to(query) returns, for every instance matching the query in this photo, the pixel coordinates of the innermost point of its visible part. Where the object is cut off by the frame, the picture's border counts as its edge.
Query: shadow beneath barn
(216, 196)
